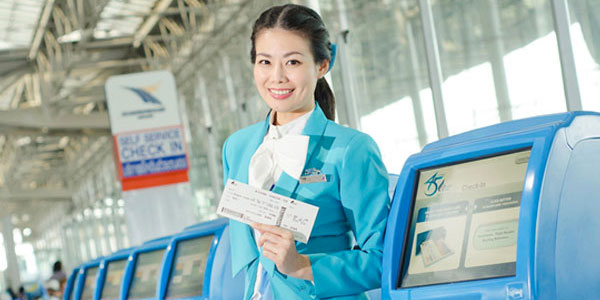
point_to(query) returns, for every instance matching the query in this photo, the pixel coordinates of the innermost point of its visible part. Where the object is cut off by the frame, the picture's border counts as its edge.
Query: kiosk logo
(433, 184)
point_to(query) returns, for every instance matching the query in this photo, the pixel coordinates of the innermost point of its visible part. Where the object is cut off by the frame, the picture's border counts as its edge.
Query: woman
(289, 153)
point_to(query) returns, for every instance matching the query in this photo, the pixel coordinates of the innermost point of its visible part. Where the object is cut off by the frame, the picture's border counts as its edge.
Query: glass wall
(499, 61)
(585, 36)
(381, 73)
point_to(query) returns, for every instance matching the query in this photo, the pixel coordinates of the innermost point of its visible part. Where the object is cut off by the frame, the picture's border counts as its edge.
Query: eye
(293, 62)
(263, 62)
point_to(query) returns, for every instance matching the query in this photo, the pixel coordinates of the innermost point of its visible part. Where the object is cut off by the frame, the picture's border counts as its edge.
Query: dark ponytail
(308, 23)
(325, 98)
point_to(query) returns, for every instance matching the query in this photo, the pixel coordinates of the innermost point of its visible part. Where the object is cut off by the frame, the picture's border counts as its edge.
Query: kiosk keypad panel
(90, 284)
(114, 277)
(147, 269)
(464, 221)
(187, 272)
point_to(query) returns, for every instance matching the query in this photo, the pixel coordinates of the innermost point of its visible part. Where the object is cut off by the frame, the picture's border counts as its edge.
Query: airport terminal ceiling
(56, 55)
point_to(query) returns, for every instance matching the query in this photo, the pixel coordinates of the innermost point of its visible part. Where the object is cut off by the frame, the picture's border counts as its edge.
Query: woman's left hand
(279, 246)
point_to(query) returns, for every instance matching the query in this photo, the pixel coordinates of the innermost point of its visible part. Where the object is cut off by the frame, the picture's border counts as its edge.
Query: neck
(282, 118)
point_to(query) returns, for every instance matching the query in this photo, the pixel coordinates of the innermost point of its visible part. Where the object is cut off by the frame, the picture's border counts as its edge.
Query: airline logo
(145, 93)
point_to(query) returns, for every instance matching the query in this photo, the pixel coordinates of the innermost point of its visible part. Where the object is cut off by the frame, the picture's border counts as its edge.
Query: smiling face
(285, 73)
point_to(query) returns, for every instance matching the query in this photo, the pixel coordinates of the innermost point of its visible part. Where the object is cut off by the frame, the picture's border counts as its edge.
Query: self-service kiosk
(85, 285)
(197, 265)
(70, 285)
(509, 211)
(143, 269)
(110, 275)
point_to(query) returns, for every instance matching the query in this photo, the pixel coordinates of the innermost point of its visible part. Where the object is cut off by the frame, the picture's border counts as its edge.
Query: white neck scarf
(283, 150)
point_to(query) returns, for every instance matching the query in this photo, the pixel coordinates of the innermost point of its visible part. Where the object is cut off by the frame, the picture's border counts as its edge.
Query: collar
(294, 127)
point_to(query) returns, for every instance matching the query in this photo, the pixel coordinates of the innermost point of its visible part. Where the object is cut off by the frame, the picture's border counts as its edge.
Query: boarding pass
(247, 204)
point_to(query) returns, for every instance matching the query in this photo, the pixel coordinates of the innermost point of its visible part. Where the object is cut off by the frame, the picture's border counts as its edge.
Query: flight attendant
(300, 152)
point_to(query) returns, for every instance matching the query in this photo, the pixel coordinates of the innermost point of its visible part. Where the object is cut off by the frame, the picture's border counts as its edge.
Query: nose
(278, 73)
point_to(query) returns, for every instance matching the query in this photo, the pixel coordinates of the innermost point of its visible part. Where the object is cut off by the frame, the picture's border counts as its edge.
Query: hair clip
(333, 54)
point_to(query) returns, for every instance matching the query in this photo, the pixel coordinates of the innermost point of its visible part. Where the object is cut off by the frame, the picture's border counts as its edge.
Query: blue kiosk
(197, 265)
(85, 285)
(70, 285)
(503, 212)
(143, 269)
(110, 275)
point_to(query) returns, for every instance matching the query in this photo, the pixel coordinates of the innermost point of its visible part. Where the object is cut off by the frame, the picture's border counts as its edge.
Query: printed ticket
(247, 204)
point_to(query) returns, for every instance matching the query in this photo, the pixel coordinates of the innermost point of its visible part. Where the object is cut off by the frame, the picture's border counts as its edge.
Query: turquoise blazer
(353, 210)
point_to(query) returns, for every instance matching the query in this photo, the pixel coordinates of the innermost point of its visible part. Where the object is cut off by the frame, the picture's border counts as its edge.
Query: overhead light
(71, 37)
(23, 141)
(17, 237)
(27, 231)
(62, 143)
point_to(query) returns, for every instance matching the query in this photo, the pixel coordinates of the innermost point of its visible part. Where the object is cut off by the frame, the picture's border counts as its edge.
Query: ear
(322, 68)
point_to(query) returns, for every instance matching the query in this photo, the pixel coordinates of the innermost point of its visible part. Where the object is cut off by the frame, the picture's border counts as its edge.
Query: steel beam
(35, 118)
(42, 194)
(39, 33)
(149, 23)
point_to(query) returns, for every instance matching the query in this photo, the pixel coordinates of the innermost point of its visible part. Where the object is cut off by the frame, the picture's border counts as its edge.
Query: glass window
(384, 72)
(585, 36)
(499, 61)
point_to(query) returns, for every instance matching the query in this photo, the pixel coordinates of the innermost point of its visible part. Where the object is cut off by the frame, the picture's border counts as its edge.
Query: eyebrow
(285, 55)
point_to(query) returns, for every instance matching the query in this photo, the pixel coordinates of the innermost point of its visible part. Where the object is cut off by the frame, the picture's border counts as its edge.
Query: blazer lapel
(315, 128)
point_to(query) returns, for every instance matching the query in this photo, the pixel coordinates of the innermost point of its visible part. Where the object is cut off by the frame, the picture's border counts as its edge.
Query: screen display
(187, 271)
(114, 277)
(464, 221)
(90, 284)
(145, 280)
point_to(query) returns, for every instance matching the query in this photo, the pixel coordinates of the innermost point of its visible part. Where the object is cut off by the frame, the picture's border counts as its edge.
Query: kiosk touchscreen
(86, 280)
(71, 284)
(198, 265)
(503, 212)
(110, 275)
(143, 269)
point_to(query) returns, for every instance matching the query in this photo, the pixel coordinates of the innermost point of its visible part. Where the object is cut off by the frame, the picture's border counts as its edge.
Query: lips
(280, 94)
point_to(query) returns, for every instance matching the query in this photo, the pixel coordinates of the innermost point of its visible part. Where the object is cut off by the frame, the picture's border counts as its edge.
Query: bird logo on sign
(145, 93)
